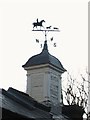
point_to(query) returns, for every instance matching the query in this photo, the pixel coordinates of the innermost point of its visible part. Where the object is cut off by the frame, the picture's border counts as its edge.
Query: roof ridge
(26, 99)
(11, 93)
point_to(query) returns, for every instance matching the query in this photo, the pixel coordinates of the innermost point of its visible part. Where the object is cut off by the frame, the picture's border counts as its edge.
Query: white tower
(44, 77)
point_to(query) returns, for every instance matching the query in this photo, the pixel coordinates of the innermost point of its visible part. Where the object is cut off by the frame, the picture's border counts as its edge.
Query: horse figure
(35, 24)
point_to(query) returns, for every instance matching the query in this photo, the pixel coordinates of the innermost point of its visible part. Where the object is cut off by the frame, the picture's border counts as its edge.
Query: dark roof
(75, 112)
(16, 104)
(44, 58)
(22, 104)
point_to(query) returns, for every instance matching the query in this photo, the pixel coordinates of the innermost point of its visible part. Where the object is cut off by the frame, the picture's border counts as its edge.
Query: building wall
(89, 94)
(44, 83)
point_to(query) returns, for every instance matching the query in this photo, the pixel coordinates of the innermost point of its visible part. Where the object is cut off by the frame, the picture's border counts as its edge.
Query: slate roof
(20, 104)
(44, 58)
(74, 112)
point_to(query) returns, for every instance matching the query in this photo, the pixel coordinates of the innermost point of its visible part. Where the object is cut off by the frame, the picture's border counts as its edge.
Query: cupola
(44, 77)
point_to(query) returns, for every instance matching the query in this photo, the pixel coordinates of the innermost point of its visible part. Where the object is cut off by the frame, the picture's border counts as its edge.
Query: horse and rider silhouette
(35, 24)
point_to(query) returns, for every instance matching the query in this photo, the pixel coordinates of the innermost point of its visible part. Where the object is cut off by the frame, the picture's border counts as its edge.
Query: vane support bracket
(45, 32)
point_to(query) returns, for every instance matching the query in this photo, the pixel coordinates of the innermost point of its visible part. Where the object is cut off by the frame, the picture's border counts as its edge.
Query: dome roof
(44, 58)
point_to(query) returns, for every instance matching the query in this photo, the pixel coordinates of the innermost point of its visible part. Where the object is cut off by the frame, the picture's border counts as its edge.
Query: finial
(45, 47)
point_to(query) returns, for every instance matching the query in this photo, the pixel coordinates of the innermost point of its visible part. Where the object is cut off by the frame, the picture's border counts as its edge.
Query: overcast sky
(17, 41)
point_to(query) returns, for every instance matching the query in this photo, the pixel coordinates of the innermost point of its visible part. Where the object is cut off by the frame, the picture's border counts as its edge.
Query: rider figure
(37, 20)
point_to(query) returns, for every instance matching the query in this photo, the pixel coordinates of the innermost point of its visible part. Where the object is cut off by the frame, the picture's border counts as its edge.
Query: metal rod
(48, 30)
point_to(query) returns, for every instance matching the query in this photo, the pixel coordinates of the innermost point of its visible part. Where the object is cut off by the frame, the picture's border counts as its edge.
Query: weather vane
(37, 26)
